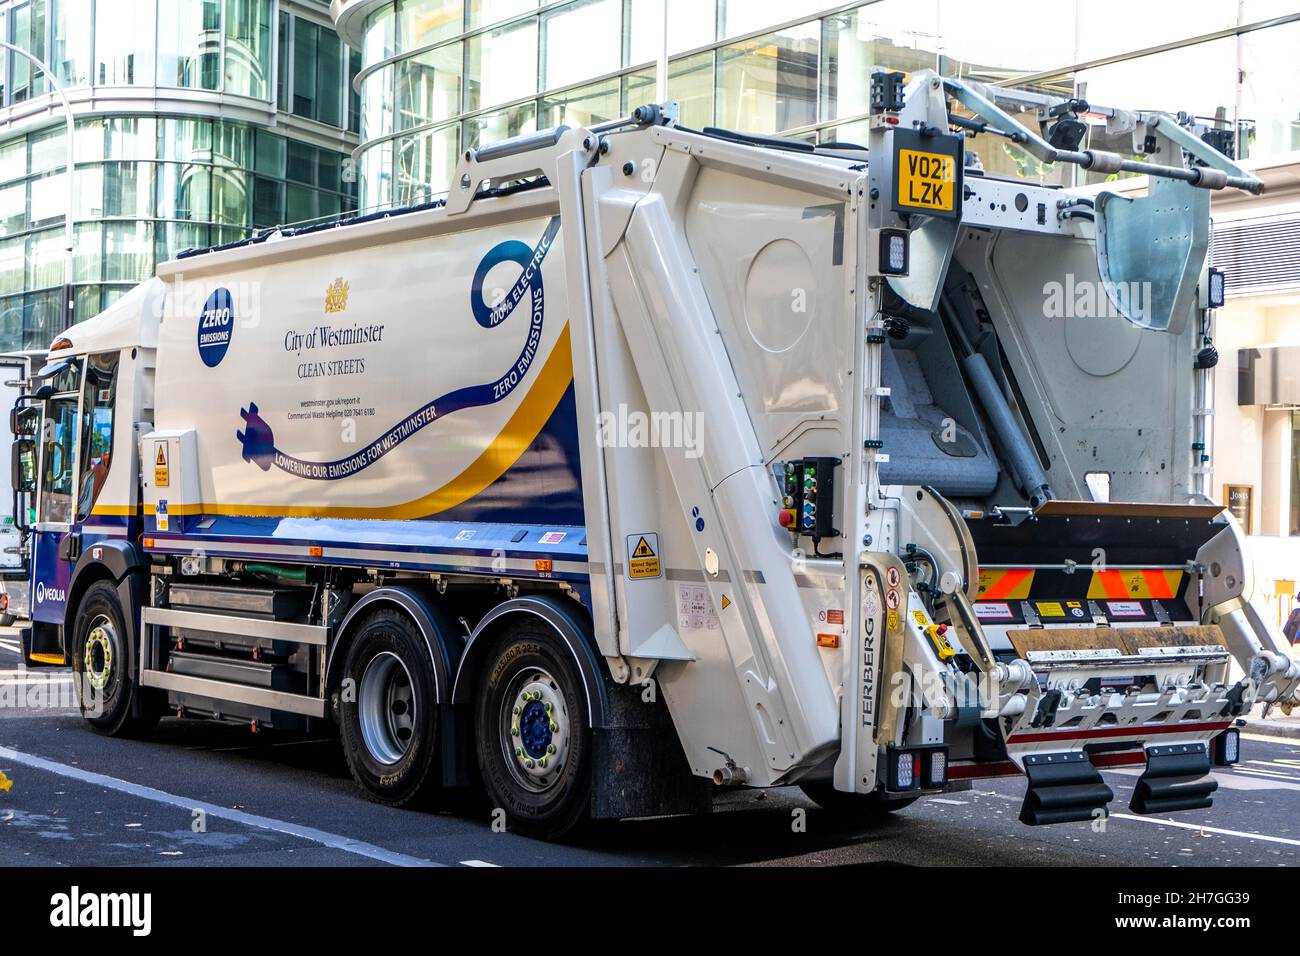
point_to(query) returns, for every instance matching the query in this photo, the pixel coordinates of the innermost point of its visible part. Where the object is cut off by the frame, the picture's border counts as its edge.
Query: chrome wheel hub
(386, 708)
(98, 652)
(536, 729)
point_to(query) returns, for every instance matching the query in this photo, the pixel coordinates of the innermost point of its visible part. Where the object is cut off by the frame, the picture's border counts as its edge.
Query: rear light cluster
(1225, 749)
(921, 768)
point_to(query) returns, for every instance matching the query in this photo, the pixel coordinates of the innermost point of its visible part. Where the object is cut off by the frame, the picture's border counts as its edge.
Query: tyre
(861, 805)
(105, 687)
(7, 619)
(532, 733)
(388, 711)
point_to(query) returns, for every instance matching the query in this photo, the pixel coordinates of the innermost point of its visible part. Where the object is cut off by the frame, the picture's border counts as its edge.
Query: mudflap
(1063, 788)
(638, 767)
(41, 646)
(1177, 778)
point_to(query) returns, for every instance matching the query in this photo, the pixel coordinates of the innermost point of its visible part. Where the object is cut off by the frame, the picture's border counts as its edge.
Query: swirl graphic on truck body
(259, 441)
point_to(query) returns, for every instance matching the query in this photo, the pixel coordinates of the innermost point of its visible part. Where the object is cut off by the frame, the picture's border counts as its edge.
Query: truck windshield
(97, 430)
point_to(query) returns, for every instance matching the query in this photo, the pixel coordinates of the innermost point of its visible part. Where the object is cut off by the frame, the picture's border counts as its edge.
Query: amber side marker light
(544, 565)
(828, 640)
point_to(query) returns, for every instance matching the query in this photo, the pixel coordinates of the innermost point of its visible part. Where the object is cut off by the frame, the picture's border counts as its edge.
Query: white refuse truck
(653, 461)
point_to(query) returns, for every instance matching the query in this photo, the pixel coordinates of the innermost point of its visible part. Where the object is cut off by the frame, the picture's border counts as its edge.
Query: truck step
(223, 691)
(1063, 788)
(235, 625)
(1177, 778)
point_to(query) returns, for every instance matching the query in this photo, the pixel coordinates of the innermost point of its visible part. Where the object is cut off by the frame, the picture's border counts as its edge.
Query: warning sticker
(1126, 609)
(892, 599)
(643, 556)
(1050, 609)
(835, 615)
(994, 611)
(161, 475)
(891, 620)
(695, 610)
(160, 516)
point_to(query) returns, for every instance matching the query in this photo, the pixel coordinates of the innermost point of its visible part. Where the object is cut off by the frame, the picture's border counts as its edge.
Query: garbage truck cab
(654, 460)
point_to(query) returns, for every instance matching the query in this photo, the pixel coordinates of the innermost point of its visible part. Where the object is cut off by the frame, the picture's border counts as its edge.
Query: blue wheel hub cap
(535, 729)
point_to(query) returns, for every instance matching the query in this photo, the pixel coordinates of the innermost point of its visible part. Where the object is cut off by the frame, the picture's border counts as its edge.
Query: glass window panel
(4, 56)
(184, 192)
(189, 43)
(90, 191)
(124, 45)
(769, 84)
(691, 24)
(88, 252)
(185, 140)
(248, 48)
(70, 58)
(581, 41)
(282, 62)
(428, 87)
(424, 165)
(41, 323)
(380, 41)
(421, 22)
(13, 159)
(173, 237)
(48, 150)
(1270, 93)
(304, 67)
(86, 302)
(750, 15)
(230, 204)
(302, 204)
(111, 294)
(377, 104)
(128, 251)
(27, 32)
(231, 143)
(585, 106)
(354, 98)
(377, 176)
(978, 41)
(690, 83)
(129, 190)
(45, 259)
(329, 78)
(269, 155)
(13, 209)
(889, 34)
(47, 199)
(1145, 24)
(502, 65)
(128, 137)
(329, 169)
(13, 265)
(301, 166)
(268, 202)
(484, 12)
(493, 127)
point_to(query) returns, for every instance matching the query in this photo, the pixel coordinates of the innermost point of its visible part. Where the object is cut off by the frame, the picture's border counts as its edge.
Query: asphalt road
(196, 794)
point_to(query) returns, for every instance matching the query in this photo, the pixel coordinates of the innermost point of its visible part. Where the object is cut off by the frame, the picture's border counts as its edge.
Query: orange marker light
(315, 551)
(828, 640)
(544, 565)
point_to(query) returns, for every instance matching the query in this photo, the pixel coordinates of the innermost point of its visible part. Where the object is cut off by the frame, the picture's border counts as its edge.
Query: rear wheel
(532, 733)
(7, 619)
(864, 805)
(388, 714)
(100, 665)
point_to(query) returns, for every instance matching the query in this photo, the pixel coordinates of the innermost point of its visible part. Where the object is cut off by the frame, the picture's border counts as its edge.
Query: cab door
(13, 501)
(59, 447)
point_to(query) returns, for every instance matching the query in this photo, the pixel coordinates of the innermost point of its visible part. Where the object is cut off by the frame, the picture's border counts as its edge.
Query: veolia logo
(216, 324)
(44, 593)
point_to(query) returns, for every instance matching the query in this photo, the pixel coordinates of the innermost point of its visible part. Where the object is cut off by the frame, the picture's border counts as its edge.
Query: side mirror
(22, 466)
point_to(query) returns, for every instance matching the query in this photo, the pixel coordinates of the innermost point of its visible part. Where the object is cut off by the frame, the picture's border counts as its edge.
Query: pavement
(200, 794)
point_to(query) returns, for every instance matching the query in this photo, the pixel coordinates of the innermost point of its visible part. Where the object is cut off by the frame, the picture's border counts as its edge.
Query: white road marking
(331, 840)
(478, 863)
(1268, 739)
(951, 803)
(33, 681)
(1198, 827)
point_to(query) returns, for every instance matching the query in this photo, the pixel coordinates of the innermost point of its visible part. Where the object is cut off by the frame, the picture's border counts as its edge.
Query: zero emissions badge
(216, 324)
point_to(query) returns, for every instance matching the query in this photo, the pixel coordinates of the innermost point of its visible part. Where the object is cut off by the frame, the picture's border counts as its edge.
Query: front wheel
(861, 805)
(101, 665)
(532, 734)
(388, 714)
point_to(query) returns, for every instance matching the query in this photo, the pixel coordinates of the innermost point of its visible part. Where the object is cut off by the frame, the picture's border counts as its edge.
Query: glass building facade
(439, 76)
(197, 122)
